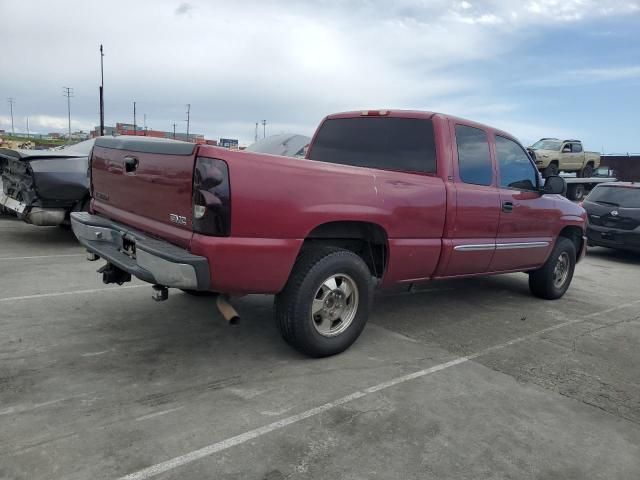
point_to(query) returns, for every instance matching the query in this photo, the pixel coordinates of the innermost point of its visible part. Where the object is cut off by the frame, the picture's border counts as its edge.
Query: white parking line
(44, 256)
(190, 457)
(157, 414)
(74, 292)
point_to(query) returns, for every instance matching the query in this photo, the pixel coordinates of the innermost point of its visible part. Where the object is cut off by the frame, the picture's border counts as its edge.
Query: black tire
(575, 192)
(293, 306)
(587, 171)
(550, 171)
(543, 282)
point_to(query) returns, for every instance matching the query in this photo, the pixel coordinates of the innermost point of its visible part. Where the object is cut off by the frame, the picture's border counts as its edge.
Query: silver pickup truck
(553, 155)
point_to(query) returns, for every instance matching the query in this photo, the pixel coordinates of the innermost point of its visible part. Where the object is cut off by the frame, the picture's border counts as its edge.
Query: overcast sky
(535, 68)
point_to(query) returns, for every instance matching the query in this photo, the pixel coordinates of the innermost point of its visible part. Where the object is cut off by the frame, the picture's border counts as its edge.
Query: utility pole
(145, 124)
(174, 131)
(188, 117)
(68, 92)
(101, 92)
(11, 102)
(135, 129)
(28, 135)
(264, 128)
(255, 137)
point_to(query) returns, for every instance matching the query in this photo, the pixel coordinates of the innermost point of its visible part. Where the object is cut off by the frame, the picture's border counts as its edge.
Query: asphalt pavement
(465, 379)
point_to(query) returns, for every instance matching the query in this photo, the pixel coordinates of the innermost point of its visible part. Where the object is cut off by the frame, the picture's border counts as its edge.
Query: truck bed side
(277, 202)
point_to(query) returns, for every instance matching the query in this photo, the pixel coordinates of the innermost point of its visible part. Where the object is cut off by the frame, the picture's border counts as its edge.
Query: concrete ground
(468, 379)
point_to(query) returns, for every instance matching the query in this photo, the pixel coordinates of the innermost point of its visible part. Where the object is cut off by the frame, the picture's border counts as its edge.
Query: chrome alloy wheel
(335, 305)
(561, 270)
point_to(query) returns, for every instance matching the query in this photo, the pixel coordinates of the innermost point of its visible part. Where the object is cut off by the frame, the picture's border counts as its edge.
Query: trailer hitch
(112, 274)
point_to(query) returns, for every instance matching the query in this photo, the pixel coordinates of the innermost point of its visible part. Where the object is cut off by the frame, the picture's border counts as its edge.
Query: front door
(525, 235)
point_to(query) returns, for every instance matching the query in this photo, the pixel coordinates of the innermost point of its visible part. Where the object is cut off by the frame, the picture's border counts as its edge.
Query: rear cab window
(387, 143)
(474, 158)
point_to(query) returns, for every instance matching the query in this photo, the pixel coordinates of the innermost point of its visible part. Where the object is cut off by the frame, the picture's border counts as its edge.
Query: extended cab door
(526, 217)
(472, 225)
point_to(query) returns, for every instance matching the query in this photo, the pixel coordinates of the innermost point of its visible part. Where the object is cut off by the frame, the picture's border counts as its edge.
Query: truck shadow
(16, 232)
(618, 256)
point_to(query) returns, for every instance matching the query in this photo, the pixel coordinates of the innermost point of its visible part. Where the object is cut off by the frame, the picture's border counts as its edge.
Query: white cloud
(289, 62)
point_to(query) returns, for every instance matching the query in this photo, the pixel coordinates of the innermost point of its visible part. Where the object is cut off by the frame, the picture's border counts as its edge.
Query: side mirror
(554, 186)
(566, 150)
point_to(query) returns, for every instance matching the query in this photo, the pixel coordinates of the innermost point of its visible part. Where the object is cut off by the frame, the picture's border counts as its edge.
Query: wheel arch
(368, 240)
(575, 234)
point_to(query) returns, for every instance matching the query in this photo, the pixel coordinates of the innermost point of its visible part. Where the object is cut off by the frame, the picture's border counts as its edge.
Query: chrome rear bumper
(151, 260)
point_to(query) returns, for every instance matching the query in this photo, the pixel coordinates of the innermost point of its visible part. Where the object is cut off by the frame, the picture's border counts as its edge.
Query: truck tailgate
(146, 183)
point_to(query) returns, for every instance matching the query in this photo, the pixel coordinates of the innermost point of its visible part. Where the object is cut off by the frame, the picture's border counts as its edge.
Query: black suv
(614, 215)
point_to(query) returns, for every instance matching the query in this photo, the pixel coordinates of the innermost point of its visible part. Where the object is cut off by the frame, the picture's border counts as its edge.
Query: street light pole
(101, 92)
(188, 118)
(264, 128)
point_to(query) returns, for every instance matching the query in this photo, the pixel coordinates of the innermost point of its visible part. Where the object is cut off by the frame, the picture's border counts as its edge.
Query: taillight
(211, 197)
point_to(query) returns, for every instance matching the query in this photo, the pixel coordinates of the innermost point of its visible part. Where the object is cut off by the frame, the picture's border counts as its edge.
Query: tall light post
(101, 92)
(11, 102)
(264, 128)
(188, 118)
(68, 92)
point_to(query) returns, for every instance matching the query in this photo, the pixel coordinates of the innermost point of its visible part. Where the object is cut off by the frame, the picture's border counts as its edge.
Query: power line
(11, 102)
(68, 92)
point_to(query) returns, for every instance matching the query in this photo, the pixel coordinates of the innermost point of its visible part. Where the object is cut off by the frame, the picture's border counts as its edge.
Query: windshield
(547, 145)
(288, 145)
(626, 197)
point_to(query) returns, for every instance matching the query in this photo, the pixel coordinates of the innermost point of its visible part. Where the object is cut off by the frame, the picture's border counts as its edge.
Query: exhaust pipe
(226, 310)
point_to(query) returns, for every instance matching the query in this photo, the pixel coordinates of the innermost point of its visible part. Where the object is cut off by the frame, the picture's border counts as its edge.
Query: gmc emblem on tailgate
(177, 219)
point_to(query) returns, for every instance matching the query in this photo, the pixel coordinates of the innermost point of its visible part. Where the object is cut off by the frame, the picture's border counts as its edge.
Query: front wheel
(326, 302)
(552, 280)
(551, 171)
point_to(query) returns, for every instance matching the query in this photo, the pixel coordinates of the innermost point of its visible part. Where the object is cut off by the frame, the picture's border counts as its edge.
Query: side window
(566, 148)
(516, 170)
(474, 160)
(576, 147)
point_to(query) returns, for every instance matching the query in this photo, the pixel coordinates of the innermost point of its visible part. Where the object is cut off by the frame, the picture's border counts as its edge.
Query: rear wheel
(550, 171)
(587, 171)
(552, 280)
(325, 304)
(575, 192)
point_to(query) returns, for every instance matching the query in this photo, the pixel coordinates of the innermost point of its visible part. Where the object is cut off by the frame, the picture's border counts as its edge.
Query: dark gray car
(43, 186)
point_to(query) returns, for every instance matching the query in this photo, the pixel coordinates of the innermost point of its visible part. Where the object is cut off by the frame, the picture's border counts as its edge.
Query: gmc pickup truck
(552, 156)
(382, 198)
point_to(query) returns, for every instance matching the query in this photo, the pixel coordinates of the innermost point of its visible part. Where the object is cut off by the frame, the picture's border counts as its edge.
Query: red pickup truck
(383, 198)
